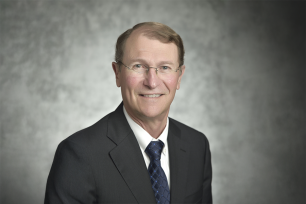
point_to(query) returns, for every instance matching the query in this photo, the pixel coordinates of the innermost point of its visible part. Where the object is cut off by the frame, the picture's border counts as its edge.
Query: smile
(151, 95)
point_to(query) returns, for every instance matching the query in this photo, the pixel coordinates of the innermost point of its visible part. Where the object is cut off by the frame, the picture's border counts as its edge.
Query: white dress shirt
(144, 138)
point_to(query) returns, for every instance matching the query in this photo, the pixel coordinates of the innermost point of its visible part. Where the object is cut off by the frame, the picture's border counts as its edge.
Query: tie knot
(154, 149)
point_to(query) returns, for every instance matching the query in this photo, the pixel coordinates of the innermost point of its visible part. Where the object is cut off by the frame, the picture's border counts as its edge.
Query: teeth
(152, 95)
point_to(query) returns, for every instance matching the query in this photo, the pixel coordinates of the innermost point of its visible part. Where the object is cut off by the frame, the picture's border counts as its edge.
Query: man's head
(154, 30)
(148, 95)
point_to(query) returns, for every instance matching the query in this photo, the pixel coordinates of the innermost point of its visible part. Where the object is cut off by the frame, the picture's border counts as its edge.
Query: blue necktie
(157, 175)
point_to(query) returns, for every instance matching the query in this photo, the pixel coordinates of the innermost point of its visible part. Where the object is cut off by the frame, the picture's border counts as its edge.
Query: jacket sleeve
(207, 193)
(70, 179)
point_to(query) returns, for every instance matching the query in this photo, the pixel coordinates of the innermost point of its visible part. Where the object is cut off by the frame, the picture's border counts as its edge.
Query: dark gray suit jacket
(104, 164)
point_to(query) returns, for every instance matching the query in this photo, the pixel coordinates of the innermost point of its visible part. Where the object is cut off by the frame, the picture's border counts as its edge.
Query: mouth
(151, 95)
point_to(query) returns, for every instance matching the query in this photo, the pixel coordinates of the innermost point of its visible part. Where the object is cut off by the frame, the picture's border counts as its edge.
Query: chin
(152, 112)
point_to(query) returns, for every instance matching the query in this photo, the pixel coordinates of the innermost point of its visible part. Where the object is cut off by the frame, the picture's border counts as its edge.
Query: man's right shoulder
(90, 135)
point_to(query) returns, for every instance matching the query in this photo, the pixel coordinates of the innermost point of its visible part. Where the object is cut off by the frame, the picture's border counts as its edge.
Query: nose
(151, 78)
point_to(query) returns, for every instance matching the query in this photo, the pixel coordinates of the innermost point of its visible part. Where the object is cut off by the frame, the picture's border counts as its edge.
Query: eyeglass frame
(148, 68)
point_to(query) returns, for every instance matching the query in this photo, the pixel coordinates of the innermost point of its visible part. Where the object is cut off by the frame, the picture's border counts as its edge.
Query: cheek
(131, 82)
(171, 83)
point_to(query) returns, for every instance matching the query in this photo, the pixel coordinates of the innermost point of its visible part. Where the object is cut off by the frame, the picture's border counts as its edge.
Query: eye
(138, 66)
(165, 67)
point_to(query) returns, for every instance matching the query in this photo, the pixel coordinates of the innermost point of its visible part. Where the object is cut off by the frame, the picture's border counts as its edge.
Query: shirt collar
(143, 137)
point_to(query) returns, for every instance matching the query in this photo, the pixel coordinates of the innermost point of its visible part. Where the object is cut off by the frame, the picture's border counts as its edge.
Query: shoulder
(184, 127)
(188, 133)
(90, 136)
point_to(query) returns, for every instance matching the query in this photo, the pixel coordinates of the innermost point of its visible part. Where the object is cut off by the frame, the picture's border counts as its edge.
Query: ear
(180, 77)
(117, 73)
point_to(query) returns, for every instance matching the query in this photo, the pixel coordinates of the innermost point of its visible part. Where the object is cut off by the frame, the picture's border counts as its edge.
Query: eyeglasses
(141, 68)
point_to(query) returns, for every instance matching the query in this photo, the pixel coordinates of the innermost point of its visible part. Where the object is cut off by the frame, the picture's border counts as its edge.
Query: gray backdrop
(244, 87)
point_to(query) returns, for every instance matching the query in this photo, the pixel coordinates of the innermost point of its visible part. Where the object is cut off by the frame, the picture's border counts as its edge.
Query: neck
(154, 126)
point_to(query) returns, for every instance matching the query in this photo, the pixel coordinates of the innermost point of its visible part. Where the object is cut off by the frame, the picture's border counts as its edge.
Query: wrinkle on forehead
(152, 52)
(134, 48)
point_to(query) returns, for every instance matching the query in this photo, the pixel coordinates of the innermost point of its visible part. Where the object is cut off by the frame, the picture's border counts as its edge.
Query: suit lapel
(178, 155)
(128, 158)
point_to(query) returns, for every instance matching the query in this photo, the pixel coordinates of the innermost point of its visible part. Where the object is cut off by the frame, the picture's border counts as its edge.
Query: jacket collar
(179, 157)
(128, 158)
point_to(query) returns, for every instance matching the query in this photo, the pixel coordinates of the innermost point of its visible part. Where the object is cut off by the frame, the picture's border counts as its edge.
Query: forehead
(138, 45)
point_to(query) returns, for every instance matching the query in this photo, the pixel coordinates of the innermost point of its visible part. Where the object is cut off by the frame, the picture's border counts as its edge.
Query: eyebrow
(144, 61)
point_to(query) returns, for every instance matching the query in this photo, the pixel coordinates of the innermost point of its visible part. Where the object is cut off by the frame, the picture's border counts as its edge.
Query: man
(137, 154)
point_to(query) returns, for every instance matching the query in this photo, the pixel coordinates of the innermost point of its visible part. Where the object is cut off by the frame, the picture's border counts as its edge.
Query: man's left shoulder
(193, 134)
